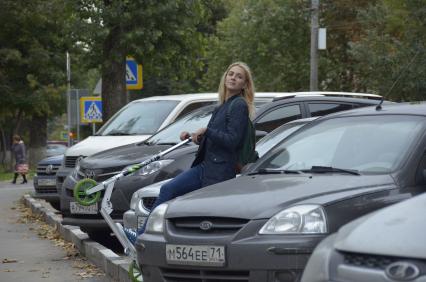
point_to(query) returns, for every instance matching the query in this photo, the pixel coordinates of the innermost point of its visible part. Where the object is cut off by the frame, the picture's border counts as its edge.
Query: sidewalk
(115, 266)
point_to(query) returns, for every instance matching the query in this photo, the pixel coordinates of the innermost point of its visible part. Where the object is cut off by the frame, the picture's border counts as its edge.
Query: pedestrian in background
(21, 167)
(217, 155)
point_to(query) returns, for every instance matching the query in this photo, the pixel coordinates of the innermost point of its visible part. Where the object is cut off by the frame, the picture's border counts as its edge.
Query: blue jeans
(185, 182)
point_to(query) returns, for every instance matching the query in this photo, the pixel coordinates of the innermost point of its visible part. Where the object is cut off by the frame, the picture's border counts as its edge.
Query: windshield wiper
(118, 133)
(324, 169)
(274, 171)
(166, 143)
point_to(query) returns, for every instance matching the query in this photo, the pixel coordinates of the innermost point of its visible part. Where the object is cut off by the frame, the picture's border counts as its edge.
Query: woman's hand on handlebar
(198, 135)
(184, 135)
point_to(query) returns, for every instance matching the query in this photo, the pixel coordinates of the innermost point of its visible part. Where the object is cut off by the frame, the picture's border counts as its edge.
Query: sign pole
(77, 104)
(69, 98)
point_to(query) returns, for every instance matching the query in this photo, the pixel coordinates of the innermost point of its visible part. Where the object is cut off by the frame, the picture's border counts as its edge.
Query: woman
(217, 154)
(18, 149)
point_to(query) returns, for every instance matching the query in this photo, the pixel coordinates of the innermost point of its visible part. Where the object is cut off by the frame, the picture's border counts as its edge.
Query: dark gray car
(264, 225)
(385, 246)
(106, 164)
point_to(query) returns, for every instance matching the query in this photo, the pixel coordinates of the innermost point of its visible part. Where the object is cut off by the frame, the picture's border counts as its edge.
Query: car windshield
(365, 144)
(266, 143)
(139, 118)
(190, 123)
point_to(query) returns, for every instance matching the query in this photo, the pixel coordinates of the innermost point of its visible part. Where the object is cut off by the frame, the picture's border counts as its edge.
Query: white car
(135, 122)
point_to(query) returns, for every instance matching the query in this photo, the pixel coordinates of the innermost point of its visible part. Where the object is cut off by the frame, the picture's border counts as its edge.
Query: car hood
(57, 160)
(122, 156)
(261, 196)
(397, 230)
(94, 144)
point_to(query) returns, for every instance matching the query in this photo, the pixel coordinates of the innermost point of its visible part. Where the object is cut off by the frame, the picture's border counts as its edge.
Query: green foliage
(32, 60)
(390, 55)
(271, 36)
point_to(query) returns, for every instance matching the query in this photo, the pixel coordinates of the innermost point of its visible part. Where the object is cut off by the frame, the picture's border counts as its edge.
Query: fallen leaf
(6, 260)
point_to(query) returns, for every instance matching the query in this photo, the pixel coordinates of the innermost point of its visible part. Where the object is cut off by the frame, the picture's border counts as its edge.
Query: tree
(162, 35)
(271, 36)
(390, 56)
(32, 56)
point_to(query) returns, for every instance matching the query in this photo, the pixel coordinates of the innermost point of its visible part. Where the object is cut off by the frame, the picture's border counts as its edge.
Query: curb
(114, 266)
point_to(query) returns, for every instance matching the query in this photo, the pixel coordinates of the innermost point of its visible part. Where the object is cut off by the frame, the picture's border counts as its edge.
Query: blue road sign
(133, 74)
(90, 109)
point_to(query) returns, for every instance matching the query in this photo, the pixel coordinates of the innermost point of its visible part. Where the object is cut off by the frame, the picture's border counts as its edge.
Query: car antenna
(379, 106)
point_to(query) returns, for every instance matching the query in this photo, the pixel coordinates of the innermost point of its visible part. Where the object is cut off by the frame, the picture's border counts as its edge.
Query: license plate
(195, 255)
(46, 182)
(76, 208)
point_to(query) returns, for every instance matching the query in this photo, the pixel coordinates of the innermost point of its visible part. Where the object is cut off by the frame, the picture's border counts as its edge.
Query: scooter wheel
(80, 192)
(135, 273)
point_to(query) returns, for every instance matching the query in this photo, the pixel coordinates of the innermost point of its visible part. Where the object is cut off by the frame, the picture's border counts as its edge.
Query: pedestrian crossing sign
(90, 109)
(133, 74)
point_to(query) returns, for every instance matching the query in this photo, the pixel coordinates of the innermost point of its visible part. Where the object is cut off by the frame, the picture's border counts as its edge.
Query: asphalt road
(23, 255)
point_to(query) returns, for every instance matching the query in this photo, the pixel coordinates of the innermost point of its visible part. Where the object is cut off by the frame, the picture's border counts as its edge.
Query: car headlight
(134, 201)
(153, 167)
(301, 219)
(156, 220)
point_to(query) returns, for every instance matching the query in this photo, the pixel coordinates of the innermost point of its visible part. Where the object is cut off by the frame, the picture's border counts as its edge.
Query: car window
(322, 109)
(190, 123)
(193, 106)
(139, 118)
(277, 117)
(360, 143)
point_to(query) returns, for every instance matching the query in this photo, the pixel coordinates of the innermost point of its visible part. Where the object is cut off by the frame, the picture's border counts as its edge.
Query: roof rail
(328, 94)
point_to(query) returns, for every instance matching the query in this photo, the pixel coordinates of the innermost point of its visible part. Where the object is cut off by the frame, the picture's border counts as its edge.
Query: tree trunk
(38, 138)
(114, 95)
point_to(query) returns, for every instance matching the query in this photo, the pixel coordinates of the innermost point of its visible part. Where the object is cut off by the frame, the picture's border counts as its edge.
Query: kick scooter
(88, 192)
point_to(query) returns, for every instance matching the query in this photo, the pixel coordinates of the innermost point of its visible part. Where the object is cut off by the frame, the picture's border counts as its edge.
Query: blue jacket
(224, 135)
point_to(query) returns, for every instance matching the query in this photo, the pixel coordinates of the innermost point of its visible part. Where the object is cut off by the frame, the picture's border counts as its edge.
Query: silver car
(384, 246)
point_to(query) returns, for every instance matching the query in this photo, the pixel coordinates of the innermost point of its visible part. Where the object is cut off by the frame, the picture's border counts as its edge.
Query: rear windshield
(139, 118)
(368, 144)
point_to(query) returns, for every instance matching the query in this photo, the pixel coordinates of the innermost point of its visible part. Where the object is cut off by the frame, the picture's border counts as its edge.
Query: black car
(45, 180)
(264, 225)
(105, 164)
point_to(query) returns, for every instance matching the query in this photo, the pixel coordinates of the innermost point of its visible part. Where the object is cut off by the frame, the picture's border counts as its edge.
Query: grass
(8, 176)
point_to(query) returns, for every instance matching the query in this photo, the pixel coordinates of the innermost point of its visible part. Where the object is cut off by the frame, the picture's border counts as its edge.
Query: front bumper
(45, 188)
(61, 175)
(249, 256)
(120, 200)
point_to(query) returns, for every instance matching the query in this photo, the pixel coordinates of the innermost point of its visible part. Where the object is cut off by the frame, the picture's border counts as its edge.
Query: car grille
(45, 190)
(70, 161)
(148, 202)
(98, 175)
(42, 169)
(376, 261)
(191, 275)
(218, 225)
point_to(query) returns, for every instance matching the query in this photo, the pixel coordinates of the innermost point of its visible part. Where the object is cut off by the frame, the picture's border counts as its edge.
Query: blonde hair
(247, 92)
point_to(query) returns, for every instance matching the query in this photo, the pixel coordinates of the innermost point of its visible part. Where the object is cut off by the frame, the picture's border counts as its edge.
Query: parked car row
(341, 161)
(265, 224)
(110, 162)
